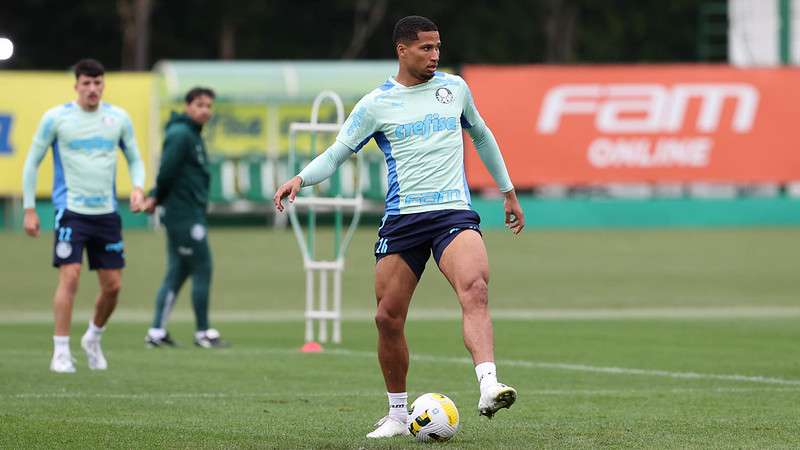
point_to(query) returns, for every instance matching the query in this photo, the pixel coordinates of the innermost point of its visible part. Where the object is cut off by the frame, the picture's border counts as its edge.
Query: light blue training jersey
(419, 131)
(84, 157)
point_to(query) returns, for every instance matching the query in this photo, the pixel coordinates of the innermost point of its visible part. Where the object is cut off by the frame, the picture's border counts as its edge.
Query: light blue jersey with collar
(419, 131)
(84, 147)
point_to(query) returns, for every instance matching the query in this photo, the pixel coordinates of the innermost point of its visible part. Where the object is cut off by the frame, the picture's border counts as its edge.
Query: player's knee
(111, 288)
(70, 277)
(476, 294)
(388, 322)
(70, 285)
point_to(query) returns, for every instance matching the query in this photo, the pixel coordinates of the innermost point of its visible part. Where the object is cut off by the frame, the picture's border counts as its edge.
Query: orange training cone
(311, 347)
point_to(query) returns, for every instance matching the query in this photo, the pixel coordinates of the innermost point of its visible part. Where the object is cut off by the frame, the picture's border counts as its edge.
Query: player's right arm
(356, 131)
(317, 171)
(44, 137)
(489, 152)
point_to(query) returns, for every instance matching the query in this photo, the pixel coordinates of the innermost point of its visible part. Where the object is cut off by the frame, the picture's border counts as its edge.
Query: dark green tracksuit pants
(187, 254)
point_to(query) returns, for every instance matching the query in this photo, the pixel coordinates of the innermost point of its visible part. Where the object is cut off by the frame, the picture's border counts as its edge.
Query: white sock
(95, 332)
(199, 334)
(487, 374)
(61, 344)
(397, 405)
(157, 333)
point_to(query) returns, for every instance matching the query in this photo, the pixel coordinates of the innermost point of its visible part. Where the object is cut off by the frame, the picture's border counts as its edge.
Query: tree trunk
(559, 28)
(368, 15)
(135, 22)
(227, 40)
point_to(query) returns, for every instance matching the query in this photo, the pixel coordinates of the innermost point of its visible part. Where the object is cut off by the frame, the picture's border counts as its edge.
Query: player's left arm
(492, 158)
(129, 148)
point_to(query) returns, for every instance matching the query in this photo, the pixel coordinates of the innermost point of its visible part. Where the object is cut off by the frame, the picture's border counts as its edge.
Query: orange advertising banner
(597, 124)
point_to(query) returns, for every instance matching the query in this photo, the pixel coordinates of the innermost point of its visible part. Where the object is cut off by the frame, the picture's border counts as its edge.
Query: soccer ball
(433, 417)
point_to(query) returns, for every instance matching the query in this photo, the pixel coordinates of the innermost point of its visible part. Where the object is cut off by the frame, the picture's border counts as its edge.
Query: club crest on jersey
(443, 95)
(108, 120)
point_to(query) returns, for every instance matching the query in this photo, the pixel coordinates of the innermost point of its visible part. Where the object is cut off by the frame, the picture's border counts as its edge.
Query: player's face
(421, 57)
(199, 110)
(90, 90)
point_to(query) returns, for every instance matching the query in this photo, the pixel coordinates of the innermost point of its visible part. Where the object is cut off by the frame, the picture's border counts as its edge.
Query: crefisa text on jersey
(431, 124)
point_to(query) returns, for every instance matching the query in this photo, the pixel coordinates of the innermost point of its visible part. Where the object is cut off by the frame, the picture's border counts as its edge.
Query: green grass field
(620, 339)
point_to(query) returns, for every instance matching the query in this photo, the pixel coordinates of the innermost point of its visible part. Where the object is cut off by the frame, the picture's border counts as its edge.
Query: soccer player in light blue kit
(84, 135)
(416, 118)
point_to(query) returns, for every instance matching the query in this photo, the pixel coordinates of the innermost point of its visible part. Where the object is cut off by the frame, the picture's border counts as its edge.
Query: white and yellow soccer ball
(433, 417)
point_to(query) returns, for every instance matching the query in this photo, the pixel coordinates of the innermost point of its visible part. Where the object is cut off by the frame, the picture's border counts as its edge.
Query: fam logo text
(649, 124)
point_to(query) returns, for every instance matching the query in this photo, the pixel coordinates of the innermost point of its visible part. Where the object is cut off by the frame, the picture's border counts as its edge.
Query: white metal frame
(322, 311)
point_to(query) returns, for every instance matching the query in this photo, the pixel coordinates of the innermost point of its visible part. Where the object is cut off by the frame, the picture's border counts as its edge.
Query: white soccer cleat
(210, 339)
(495, 397)
(62, 362)
(94, 354)
(388, 427)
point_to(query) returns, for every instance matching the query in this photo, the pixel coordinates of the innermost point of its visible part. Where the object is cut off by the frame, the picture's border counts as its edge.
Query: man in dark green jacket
(182, 191)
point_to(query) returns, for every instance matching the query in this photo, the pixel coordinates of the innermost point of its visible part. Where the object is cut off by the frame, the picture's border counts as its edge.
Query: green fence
(255, 177)
(649, 213)
(11, 215)
(566, 213)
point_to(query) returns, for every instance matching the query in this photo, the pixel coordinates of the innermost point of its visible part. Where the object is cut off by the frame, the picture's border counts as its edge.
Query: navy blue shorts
(100, 235)
(415, 236)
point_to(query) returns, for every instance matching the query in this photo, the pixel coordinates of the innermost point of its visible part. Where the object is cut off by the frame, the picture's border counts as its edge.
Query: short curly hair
(197, 92)
(89, 67)
(406, 29)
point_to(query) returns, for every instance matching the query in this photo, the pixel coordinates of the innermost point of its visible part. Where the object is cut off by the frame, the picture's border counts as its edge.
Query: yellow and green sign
(26, 96)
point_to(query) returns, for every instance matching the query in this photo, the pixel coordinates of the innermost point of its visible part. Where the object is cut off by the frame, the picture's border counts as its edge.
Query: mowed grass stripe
(589, 368)
(559, 366)
(676, 313)
(372, 394)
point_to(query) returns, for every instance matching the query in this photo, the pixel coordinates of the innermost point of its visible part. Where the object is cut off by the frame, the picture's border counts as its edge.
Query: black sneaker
(166, 341)
(210, 339)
